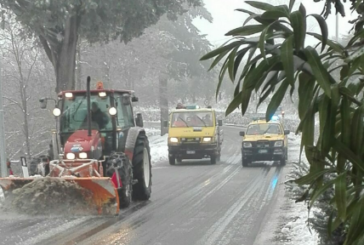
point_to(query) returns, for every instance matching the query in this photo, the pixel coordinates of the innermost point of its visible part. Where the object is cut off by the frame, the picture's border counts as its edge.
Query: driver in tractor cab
(8, 164)
(98, 116)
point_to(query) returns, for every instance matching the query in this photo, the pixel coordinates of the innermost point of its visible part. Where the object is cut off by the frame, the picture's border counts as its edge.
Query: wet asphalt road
(192, 203)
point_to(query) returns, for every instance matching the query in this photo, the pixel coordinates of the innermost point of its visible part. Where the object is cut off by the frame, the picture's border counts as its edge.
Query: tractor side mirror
(286, 132)
(125, 99)
(219, 122)
(165, 124)
(242, 133)
(139, 120)
(134, 99)
(43, 103)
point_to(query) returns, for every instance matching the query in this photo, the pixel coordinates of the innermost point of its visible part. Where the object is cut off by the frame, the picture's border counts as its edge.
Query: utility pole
(4, 170)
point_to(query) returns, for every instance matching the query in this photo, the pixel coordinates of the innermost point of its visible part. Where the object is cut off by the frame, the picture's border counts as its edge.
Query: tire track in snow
(250, 196)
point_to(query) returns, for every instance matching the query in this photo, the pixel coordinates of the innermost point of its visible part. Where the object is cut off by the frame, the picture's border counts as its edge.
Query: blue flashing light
(192, 107)
(275, 118)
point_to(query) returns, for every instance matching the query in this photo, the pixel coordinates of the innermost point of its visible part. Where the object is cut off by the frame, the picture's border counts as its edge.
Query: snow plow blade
(104, 196)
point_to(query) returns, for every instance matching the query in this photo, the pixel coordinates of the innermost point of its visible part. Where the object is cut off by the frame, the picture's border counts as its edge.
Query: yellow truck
(265, 141)
(194, 133)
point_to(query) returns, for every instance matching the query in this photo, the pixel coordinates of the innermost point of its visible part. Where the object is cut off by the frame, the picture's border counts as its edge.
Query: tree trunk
(163, 101)
(65, 64)
(78, 67)
(62, 54)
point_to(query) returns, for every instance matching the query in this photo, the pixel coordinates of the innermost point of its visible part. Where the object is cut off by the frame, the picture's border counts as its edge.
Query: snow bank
(158, 148)
(294, 229)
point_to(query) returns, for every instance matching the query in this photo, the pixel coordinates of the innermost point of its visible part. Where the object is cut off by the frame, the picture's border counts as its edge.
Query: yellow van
(194, 133)
(264, 141)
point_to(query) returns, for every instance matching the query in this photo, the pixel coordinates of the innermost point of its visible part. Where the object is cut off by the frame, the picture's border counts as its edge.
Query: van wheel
(213, 159)
(245, 163)
(172, 160)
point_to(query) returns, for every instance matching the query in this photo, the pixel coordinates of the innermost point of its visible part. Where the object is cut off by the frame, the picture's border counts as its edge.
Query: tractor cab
(111, 117)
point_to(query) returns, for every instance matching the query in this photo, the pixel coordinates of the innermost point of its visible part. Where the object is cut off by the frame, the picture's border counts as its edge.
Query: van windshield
(192, 119)
(264, 128)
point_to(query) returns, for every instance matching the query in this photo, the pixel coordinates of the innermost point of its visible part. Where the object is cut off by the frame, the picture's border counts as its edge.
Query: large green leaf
(254, 75)
(220, 50)
(276, 13)
(335, 46)
(246, 30)
(312, 176)
(231, 63)
(324, 107)
(221, 76)
(340, 195)
(324, 29)
(329, 129)
(299, 28)
(262, 39)
(238, 59)
(356, 227)
(322, 189)
(356, 54)
(305, 93)
(218, 59)
(321, 74)
(276, 100)
(348, 153)
(234, 103)
(245, 100)
(287, 59)
(357, 131)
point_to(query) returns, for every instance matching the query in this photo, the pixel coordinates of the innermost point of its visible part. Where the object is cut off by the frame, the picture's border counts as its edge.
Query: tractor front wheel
(142, 169)
(120, 162)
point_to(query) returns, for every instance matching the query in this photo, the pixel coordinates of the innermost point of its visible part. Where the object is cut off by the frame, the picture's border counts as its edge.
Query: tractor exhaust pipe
(88, 94)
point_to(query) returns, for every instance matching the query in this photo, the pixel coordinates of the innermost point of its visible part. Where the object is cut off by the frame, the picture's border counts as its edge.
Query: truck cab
(194, 133)
(264, 141)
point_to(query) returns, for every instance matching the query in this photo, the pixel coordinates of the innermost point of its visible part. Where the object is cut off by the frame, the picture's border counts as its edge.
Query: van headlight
(278, 143)
(70, 156)
(173, 140)
(82, 155)
(247, 144)
(207, 139)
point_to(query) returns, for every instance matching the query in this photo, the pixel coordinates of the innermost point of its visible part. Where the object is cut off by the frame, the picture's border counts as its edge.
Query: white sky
(226, 18)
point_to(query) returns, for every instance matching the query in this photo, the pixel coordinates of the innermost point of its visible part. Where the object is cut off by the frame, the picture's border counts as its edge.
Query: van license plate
(190, 152)
(263, 151)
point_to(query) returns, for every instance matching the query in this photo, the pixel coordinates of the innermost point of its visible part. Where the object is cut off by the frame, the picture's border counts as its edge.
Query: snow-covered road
(290, 219)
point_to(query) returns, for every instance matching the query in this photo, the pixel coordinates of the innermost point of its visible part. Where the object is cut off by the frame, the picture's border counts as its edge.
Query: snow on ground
(158, 148)
(293, 229)
(158, 145)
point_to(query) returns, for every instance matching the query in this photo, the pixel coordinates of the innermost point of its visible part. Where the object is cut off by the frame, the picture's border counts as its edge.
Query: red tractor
(98, 144)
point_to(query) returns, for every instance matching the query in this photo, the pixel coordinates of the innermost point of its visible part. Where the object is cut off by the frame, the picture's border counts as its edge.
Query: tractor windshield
(74, 115)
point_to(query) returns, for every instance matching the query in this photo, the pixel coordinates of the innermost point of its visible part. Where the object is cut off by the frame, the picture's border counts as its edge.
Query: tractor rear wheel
(121, 163)
(142, 169)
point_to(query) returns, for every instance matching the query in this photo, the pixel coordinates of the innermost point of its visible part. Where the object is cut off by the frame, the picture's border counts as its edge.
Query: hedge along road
(192, 203)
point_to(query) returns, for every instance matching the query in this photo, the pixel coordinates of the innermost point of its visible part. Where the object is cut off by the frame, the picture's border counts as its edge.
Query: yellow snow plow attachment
(101, 194)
